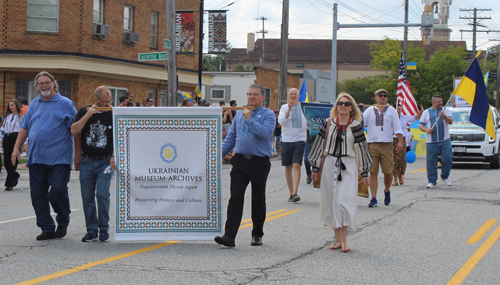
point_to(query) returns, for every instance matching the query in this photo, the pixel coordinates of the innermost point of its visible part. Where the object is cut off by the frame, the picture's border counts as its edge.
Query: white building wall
(238, 82)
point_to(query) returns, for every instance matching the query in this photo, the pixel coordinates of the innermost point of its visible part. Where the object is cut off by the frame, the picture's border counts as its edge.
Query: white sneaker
(24, 154)
(430, 185)
(446, 181)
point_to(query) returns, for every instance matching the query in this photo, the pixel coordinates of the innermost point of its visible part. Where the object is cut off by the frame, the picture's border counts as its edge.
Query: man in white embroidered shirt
(382, 121)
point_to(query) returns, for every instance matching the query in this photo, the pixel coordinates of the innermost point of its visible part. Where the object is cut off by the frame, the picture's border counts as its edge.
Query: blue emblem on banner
(168, 153)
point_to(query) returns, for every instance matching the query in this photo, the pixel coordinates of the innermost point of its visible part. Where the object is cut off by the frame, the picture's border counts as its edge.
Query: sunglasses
(382, 95)
(347, 104)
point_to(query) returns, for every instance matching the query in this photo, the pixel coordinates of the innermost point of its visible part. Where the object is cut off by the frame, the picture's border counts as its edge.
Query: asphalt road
(419, 239)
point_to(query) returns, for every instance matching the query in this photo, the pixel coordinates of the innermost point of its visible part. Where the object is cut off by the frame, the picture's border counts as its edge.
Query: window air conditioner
(100, 30)
(130, 37)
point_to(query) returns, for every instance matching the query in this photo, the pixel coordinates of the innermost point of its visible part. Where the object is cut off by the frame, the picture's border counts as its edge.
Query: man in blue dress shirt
(251, 136)
(47, 124)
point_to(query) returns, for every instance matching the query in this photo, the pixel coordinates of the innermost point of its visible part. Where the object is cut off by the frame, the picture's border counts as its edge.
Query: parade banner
(316, 114)
(168, 182)
(217, 31)
(184, 32)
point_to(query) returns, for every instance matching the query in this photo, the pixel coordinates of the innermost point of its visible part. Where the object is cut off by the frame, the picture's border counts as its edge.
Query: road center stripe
(475, 258)
(481, 232)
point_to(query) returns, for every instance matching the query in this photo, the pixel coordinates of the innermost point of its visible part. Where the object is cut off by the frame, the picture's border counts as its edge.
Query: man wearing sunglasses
(382, 122)
(93, 131)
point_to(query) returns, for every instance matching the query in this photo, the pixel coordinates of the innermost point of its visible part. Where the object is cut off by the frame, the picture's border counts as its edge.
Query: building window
(217, 93)
(128, 13)
(154, 28)
(116, 93)
(267, 93)
(98, 9)
(65, 88)
(43, 15)
(152, 95)
(22, 89)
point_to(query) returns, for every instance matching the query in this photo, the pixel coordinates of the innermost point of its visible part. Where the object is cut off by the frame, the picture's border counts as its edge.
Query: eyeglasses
(382, 95)
(105, 102)
(342, 103)
(253, 94)
(44, 83)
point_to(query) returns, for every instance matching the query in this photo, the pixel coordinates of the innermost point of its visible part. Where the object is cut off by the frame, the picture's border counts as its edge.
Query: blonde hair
(355, 114)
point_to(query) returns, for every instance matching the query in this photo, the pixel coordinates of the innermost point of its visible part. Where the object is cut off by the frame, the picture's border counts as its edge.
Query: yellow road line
(475, 258)
(267, 215)
(419, 170)
(481, 232)
(92, 264)
(128, 254)
(425, 170)
(271, 218)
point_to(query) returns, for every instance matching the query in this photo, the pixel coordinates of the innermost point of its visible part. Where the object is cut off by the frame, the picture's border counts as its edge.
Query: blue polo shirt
(252, 137)
(49, 130)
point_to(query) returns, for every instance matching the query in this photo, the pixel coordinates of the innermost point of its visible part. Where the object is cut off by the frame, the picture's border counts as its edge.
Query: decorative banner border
(190, 228)
(217, 32)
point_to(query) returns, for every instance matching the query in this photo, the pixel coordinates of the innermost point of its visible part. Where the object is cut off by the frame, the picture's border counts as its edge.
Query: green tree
(491, 65)
(433, 75)
(241, 67)
(363, 89)
(216, 62)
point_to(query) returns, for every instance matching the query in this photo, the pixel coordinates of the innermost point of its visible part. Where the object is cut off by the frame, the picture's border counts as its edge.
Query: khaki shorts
(382, 153)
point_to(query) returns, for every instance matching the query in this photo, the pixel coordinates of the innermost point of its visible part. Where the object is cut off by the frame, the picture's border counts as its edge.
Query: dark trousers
(9, 140)
(243, 172)
(56, 177)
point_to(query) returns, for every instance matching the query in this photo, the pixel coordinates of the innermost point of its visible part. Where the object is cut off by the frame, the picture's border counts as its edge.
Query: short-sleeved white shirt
(425, 120)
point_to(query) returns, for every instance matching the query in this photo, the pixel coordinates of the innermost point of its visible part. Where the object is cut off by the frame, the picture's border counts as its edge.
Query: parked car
(470, 142)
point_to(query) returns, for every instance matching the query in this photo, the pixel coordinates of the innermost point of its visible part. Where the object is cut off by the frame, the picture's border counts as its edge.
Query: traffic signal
(427, 24)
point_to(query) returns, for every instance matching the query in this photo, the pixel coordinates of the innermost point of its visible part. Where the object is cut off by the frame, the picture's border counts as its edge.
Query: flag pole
(446, 106)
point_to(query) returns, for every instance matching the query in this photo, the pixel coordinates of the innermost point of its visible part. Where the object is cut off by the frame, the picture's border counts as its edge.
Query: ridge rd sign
(153, 56)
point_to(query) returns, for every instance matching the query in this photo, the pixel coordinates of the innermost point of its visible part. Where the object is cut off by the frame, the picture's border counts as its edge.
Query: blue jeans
(306, 158)
(444, 149)
(94, 186)
(55, 177)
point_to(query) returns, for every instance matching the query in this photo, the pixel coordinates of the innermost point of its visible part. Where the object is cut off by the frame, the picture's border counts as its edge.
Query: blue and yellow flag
(185, 95)
(472, 89)
(198, 89)
(303, 93)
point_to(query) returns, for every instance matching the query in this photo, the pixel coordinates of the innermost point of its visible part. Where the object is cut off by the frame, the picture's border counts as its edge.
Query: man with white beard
(47, 124)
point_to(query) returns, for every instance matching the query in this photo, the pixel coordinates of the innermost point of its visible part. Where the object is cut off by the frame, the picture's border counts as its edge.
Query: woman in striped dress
(342, 140)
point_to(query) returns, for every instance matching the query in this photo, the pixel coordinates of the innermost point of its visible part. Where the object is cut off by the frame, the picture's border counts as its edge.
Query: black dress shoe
(256, 241)
(45, 236)
(60, 232)
(9, 188)
(225, 240)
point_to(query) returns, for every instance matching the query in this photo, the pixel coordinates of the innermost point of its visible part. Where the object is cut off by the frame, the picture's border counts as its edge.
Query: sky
(313, 19)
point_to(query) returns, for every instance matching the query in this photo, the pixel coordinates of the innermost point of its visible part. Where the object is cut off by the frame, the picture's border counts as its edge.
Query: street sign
(153, 56)
(167, 43)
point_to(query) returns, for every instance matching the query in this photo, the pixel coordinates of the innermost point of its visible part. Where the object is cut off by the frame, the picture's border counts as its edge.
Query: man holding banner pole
(251, 136)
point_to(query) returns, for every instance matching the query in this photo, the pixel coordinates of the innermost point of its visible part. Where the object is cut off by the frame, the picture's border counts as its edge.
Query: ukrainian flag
(185, 95)
(198, 89)
(303, 93)
(473, 90)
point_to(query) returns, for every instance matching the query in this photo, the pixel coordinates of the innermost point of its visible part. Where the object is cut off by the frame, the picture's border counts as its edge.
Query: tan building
(85, 44)
(353, 56)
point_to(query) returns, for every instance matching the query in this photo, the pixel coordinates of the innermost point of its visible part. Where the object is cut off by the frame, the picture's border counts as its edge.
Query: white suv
(470, 142)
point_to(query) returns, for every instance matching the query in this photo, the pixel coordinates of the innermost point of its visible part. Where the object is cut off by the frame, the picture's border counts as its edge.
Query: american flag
(405, 98)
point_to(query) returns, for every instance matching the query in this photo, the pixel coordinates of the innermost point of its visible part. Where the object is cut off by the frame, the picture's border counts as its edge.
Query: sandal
(395, 183)
(345, 247)
(401, 180)
(334, 245)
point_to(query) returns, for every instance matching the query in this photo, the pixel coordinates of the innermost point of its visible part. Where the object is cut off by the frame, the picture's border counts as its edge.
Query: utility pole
(263, 32)
(200, 52)
(333, 82)
(474, 25)
(284, 52)
(171, 54)
(497, 90)
(405, 38)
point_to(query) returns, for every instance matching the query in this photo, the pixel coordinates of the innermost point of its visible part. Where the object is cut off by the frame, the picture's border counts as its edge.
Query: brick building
(87, 43)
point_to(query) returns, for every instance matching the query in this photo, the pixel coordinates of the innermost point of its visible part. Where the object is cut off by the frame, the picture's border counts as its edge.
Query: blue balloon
(411, 156)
